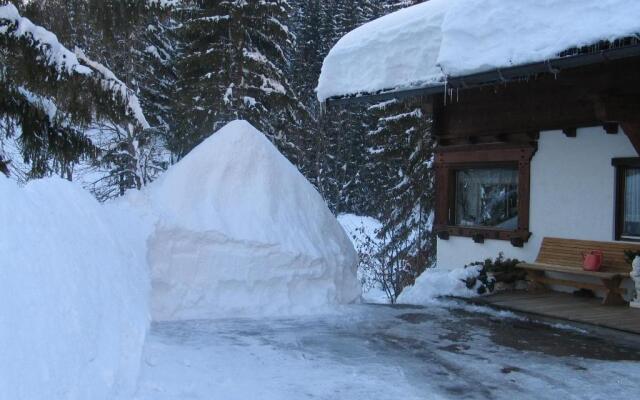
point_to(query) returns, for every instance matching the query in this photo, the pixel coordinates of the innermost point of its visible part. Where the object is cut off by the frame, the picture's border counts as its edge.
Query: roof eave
(495, 76)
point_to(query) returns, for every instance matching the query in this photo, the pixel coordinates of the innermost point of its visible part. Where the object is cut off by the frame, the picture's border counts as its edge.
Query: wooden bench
(565, 256)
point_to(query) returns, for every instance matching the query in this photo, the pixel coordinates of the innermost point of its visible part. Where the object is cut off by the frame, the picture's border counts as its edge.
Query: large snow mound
(242, 232)
(423, 44)
(73, 294)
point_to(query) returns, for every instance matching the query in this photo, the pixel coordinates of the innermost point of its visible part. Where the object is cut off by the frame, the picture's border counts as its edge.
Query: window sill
(517, 237)
(628, 239)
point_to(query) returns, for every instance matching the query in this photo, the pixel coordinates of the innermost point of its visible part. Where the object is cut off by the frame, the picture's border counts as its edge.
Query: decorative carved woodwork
(604, 94)
(632, 129)
(611, 128)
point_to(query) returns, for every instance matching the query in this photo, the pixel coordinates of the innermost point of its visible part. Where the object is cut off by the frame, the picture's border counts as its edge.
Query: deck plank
(568, 307)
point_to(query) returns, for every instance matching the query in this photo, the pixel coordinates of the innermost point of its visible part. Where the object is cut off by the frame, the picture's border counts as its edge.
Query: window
(487, 197)
(482, 192)
(627, 198)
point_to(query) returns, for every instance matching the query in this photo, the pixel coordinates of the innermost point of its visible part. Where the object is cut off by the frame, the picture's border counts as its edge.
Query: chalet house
(536, 111)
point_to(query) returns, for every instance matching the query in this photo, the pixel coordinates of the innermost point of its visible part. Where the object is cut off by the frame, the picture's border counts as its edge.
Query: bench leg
(612, 295)
(535, 286)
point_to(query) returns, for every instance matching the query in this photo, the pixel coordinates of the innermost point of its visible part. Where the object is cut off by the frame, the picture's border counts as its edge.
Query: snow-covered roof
(425, 44)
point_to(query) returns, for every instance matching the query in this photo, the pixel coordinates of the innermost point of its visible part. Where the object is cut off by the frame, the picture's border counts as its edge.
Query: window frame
(513, 166)
(450, 160)
(621, 165)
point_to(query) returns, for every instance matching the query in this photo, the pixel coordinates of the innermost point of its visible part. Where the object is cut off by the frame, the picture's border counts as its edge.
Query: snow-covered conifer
(234, 64)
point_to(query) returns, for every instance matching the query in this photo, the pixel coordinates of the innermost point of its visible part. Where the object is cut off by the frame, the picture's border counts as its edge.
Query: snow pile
(73, 294)
(421, 45)
(363, 232)
(242, 232)
(437, 282)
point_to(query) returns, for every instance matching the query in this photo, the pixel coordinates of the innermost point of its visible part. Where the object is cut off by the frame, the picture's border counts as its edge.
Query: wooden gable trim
(632, 130)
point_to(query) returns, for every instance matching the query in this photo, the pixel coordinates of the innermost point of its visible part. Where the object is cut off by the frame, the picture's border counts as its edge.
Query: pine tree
(234, 65)
(49, 95)
(402, 149)
(130, 38)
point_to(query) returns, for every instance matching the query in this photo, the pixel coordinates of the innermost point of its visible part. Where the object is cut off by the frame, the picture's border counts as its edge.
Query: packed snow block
(73, 295)
(241, 232)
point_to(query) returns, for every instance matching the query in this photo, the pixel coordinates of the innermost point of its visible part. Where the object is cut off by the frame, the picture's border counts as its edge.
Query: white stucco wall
(572, 196)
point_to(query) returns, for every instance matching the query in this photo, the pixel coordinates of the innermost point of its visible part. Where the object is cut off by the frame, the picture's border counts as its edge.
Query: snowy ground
(384, 352)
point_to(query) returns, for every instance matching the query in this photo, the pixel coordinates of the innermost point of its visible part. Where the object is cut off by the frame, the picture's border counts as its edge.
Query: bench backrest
(568, 252)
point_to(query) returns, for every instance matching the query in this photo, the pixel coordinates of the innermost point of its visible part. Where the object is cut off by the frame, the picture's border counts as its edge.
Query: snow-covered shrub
(73, 294)
(362, 231)
(477, 278)
(381, 271)
(437, 282)
(492, 272)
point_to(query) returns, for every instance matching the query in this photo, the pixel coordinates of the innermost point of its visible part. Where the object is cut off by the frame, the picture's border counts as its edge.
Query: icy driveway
(379, 352)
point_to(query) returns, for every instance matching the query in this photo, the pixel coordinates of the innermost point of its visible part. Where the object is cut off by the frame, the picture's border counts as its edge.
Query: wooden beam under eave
(611, 128)
(632, 130)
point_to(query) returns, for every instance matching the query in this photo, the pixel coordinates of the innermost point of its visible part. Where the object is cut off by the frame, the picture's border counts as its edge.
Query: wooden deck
(568, 307)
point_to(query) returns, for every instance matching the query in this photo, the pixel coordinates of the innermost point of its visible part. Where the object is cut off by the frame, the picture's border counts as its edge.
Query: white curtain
(632, 202)
(479, 193)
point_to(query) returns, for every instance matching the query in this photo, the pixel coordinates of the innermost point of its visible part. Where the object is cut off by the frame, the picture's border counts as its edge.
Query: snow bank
(437, 282)
(421, 45)
(242, 232)
(73, 294)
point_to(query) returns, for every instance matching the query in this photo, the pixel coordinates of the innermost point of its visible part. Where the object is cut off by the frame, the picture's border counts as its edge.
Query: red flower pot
(592, 260)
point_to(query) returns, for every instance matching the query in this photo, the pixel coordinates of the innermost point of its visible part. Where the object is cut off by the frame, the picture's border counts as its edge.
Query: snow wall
(73, 294)
(241, 232)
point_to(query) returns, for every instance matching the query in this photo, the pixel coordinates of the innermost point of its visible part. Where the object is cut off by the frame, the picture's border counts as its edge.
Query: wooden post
(612, 296)
(534, 284)
(632, 130)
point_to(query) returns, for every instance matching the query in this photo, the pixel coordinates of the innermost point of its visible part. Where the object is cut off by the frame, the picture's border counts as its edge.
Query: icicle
(445, 92)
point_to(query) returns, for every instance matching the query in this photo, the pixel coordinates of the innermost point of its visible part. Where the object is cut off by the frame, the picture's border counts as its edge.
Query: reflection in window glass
(487, 197)
(631, 226)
